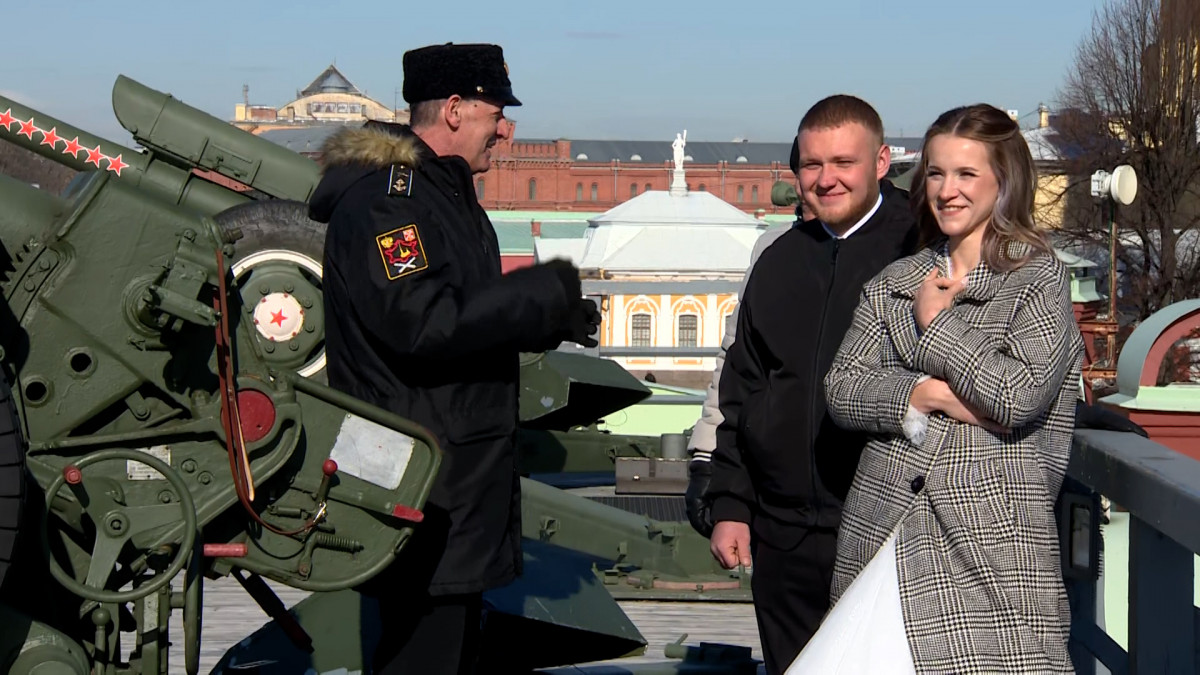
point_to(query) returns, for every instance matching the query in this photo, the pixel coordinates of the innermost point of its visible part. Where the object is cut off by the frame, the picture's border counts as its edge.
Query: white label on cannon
(372, 452)
(139, 471)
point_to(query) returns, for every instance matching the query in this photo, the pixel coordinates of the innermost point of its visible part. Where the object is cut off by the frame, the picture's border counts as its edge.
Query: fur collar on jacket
(373, 146)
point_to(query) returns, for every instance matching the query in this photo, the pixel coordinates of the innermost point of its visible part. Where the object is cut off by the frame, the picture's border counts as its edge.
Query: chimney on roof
(1043, 116)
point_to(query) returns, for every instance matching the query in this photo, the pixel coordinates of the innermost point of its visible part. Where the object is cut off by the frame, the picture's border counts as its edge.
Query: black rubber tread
(271, 224)
(12, 477)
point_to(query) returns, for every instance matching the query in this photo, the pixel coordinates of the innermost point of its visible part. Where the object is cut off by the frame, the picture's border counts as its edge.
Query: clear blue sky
(615, 69)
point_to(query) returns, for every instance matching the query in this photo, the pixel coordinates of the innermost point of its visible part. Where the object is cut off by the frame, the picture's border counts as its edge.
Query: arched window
(640, 330)
(595, 191)
(533, 189)
(479, 189)
(703, 188)
(741, 194)
(632, 190)
(647, 188)
(754, 194)
(579, 192)
(687, 330)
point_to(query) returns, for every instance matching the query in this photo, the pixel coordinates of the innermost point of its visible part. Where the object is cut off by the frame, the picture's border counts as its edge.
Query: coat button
(917, 484)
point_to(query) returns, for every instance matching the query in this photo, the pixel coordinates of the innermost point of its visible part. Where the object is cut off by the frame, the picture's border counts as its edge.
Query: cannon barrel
(179, 141)
(192, 138)
(82, 151)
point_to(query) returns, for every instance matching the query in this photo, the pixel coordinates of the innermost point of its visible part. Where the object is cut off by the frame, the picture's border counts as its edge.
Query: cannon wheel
(281, 248)
(12, 477)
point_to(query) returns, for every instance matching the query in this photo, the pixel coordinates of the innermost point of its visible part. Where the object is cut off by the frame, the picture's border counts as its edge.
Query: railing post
(1161, 615)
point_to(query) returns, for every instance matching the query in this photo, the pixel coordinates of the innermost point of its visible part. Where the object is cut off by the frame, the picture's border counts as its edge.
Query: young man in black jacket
(781, 467)
(420, 321)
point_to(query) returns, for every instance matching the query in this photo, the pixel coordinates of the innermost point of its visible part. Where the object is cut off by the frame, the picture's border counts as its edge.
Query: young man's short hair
(839, 109)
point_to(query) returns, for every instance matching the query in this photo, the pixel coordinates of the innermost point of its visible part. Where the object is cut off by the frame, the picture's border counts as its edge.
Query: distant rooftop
(330, 81)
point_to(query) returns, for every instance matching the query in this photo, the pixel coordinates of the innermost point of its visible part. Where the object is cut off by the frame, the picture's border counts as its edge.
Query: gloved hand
(1099, 417)
(568, 275)
(583, 322)
(698, 509)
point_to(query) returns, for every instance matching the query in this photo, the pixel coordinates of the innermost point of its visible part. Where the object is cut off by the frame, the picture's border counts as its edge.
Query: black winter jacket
(780, 462)
(420, 321)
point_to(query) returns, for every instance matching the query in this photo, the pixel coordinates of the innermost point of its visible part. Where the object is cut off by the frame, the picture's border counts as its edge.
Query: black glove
(1099, 417)
(583, 323)
(568, 275)
(698, 509)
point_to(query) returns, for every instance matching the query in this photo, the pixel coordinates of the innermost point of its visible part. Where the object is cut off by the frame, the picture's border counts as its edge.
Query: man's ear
(452, 111)
(883, 161)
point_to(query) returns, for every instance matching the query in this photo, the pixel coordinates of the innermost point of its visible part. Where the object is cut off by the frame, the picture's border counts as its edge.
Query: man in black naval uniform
(421, 321)
(781, 468)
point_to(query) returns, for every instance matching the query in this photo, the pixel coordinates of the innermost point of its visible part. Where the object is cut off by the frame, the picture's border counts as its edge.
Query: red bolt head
(72, 474)
(329, 467)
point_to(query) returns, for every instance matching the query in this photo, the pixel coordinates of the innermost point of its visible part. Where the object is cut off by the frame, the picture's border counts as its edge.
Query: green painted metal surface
(192, 138)
(1130, 392)
(560, 390)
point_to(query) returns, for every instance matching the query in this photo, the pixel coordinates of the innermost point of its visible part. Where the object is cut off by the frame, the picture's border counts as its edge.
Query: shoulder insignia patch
(401, 252)
(400, 181)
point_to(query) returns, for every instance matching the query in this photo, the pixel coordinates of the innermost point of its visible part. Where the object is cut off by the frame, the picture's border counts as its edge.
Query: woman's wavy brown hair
(1012, 217)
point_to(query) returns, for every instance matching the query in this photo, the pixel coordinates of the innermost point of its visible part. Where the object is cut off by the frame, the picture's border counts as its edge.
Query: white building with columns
(665, 268)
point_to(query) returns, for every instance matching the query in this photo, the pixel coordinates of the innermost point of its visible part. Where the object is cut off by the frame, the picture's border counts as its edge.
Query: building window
(703, 188)
(533, 189)
(741, 194)
(641, 330)
(754, 194)
(595, 191)
(632, 190)
(647, 188)
(479, 189)
(687, 330)
(579, 192)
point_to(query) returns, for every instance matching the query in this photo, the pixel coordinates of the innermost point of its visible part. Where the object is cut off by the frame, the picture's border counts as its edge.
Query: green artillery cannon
(162, 429)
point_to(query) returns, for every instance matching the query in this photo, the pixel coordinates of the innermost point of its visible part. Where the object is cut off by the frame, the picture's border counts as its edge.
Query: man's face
(480, 125)
(840, 170)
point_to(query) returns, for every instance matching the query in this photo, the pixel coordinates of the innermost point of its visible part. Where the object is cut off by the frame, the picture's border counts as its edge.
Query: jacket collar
(982, 282)
(375, 145)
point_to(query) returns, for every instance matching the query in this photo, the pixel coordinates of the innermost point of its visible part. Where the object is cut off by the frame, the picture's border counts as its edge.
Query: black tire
(274, 224)
(12, 477)
(279, 225)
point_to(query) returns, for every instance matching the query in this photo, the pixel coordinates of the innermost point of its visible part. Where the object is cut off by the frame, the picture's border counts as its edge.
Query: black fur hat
(471, 71)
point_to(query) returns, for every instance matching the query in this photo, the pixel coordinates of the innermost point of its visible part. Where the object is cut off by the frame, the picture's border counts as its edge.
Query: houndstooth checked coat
(977, 548)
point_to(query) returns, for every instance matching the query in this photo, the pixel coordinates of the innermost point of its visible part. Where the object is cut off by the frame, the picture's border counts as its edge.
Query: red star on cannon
(7, 119)
(73, 147)
(27, 128)
(115, 164)
(94, 156)
(51, 138)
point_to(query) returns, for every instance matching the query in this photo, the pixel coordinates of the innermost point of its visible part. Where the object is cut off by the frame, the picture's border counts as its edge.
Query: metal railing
(1161, 490)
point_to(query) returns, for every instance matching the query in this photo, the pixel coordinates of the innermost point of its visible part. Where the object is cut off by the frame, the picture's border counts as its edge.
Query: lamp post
(1120, 186)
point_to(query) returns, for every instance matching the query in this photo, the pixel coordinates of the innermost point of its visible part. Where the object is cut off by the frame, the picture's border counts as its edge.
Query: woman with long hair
(963, 363)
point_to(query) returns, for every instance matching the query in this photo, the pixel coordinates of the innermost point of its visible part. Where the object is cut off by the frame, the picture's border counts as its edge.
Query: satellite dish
(1121, 184)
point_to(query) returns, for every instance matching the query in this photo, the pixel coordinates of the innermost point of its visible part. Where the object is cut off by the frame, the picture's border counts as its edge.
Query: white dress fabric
(864, 632)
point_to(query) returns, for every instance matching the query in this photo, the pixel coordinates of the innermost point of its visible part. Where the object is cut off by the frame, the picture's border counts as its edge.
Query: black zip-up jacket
(420, 321)
(780, 462)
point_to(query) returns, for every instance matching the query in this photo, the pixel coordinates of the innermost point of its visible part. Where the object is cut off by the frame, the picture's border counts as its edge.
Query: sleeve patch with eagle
(401, 252)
